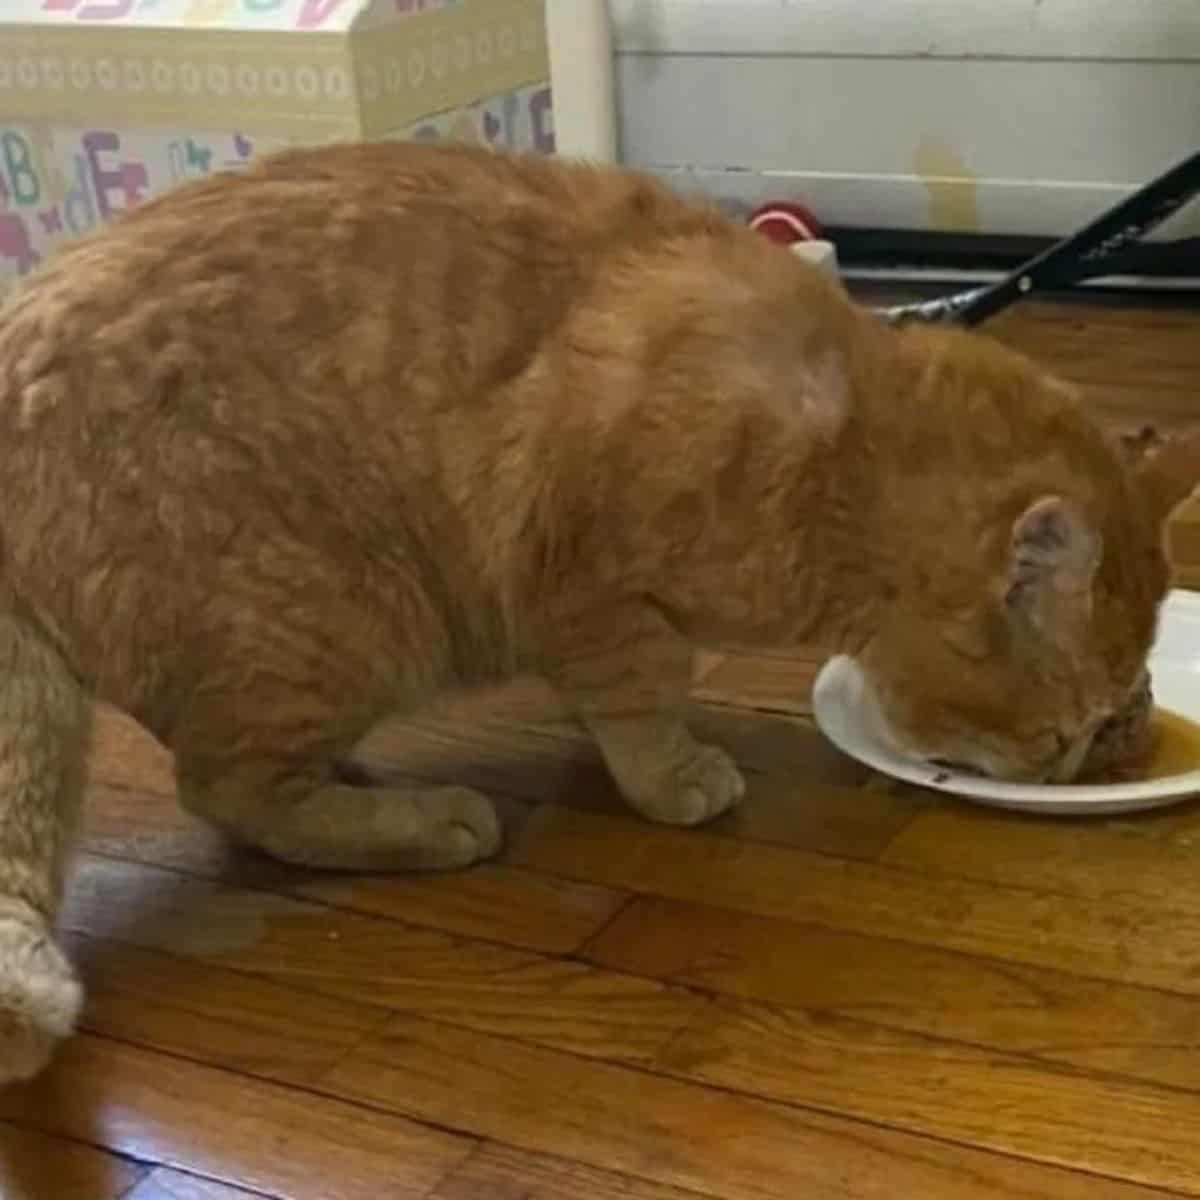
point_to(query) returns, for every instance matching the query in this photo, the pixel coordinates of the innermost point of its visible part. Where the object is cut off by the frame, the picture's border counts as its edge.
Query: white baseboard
(1161, 30)
(1016, 117)
(902, 202)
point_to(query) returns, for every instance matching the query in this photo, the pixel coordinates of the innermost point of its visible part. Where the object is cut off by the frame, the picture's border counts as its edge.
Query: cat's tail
(43, 742)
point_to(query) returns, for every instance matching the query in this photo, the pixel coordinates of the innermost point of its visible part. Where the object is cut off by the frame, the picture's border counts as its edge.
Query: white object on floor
(819, 253)
(847, 717)
(581, 76)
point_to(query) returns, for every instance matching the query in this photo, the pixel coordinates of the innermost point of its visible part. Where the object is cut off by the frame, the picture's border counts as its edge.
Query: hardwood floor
(849, 990)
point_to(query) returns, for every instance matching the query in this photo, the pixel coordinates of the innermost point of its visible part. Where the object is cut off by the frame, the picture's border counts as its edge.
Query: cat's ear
(1169, 472)
(1053, 555)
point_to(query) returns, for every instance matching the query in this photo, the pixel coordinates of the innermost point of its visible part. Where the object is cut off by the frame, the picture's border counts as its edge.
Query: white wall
(1022, 116)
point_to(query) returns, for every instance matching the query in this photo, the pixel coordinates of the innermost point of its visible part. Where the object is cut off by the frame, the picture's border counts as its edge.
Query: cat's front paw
(40, 998)
(697, 790)
(461, 827)
(347, 828)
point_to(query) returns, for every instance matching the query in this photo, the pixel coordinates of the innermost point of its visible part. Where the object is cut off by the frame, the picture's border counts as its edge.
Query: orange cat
(286, 452)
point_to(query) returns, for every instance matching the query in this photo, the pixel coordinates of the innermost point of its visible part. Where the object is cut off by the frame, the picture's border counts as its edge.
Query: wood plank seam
(755, 706)
(156, 1169)
(581, 954)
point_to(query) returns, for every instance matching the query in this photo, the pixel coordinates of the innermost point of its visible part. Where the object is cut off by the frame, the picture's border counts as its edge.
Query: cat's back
(285, 371)
(306, 229)
(310, 342)
(317, 272)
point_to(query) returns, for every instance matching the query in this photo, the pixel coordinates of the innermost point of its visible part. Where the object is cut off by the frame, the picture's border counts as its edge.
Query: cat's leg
(310, 820)
(44, 720)
(626, 674)
(262, 764)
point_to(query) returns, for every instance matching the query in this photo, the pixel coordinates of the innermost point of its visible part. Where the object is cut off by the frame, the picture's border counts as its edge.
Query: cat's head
(1021, 627)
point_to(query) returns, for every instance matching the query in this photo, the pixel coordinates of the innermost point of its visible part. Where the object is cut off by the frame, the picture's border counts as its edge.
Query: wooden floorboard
(559, 1002)
(1123, 939)
(498, 1172)
(1094, 1024)
(670, 1131)
(230, 1127)
(35, 1166)
(164, 1184)
(847, 990)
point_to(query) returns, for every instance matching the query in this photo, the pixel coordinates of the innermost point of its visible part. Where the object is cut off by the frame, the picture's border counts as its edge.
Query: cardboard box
(106, 102)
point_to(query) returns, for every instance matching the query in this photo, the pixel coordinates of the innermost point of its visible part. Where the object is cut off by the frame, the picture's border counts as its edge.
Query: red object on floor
(786, 223)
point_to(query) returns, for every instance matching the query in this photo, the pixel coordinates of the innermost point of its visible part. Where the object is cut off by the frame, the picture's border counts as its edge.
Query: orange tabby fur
(286, 452)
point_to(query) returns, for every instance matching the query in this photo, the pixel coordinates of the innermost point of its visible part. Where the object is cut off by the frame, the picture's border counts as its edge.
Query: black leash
(1087, 254)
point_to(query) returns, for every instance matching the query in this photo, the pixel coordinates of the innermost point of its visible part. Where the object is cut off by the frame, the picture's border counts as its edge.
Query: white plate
(846, 716)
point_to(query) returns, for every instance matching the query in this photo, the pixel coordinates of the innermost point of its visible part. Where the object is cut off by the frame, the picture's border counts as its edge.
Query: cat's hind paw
(40, 998)
(458, 826)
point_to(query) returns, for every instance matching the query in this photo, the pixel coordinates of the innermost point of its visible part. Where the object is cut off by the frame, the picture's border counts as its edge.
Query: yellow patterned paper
(303, 84)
